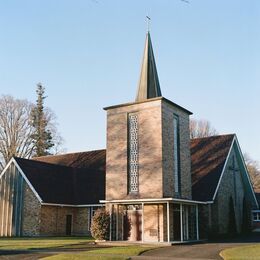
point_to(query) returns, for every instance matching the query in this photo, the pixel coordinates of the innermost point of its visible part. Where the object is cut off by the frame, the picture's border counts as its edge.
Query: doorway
(176, 223)
(133, 225)
(68, 224)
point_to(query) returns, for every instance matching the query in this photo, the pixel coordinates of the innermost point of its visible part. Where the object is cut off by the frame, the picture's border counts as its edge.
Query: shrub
(100, 225)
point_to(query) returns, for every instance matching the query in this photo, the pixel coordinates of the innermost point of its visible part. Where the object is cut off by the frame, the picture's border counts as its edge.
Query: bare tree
(201, 128)
(253, 168)
(15, 129)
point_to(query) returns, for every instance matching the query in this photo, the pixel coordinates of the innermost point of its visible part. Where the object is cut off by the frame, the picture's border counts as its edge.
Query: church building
(157, 183)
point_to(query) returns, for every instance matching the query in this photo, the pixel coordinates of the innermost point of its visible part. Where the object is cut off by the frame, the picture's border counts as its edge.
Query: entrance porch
(154, 220)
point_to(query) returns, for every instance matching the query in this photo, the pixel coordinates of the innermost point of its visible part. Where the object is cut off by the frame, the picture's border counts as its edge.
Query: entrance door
(133, 225)
(68, 225)
(176, 222)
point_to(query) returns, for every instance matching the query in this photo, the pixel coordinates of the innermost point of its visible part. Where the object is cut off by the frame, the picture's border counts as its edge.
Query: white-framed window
(176, 154)
(256, 216)
(133, 154)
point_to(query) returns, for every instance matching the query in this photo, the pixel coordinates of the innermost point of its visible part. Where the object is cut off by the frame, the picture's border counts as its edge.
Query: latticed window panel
(133, 153)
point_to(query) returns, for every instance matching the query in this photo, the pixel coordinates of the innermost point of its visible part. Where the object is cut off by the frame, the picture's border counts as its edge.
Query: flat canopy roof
(159, 200)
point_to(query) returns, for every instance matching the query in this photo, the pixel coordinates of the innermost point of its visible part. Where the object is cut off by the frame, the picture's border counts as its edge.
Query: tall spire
(149, 86)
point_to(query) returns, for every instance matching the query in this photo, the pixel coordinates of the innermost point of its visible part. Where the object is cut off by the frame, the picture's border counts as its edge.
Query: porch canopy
(182, 206)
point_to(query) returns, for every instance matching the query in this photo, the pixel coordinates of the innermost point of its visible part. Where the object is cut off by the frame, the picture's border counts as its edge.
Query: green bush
(100, 225)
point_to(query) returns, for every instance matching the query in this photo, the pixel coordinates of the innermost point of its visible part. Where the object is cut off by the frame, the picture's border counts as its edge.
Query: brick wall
(150, 151)
(168, 112)
(156, 168)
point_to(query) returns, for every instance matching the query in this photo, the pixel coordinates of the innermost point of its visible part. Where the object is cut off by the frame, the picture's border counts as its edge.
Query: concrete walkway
(205, 251)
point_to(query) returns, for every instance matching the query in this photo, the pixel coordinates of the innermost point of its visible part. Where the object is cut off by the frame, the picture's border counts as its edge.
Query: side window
(176, 154)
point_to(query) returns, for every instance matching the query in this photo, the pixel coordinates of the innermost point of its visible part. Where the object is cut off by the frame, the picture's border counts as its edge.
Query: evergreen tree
(42, 136)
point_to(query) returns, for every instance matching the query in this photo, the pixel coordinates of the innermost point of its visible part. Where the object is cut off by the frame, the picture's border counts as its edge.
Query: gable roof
(58, 183)
(208, 157)
(79, 178)
(93, 159)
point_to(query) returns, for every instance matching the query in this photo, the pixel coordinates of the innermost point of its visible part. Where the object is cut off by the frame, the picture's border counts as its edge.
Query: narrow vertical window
(176, 154)
(132, 153)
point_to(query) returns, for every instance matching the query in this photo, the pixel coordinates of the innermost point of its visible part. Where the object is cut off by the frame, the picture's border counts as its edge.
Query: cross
(234, 170)
(148, 23)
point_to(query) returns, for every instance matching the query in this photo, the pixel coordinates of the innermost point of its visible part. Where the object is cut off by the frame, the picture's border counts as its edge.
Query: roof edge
(27, 181)
(149, 100)
(223, 170)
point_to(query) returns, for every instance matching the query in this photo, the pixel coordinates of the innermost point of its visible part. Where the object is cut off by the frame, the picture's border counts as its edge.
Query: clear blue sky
(88, 54)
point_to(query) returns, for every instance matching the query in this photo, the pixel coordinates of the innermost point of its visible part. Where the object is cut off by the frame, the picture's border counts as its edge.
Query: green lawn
(44, 242)
(123, 252)
(88, 250)
(242, 253)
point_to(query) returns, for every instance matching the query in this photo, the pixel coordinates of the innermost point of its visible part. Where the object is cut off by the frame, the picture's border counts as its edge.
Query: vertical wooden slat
(1, 202)
(10, 201)
(19, 213)
(15, 204)
(6, 220)
(4, 204)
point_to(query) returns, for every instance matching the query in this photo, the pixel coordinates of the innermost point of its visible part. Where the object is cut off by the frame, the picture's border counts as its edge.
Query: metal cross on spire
(148, 23)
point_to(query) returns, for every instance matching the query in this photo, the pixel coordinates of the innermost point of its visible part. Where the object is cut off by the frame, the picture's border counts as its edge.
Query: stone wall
(168, 111)
(231, 186)
(53, 220)
(31, 220)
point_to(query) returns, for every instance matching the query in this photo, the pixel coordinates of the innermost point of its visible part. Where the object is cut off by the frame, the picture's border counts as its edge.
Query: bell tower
(148, 145)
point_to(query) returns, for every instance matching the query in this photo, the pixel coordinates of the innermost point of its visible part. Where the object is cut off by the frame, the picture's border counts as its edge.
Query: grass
(123, 252)
(251, 252)
(43, 243)
(78, 248)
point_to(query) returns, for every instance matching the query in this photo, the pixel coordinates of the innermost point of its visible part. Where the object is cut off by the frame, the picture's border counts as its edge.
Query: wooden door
(68, 225)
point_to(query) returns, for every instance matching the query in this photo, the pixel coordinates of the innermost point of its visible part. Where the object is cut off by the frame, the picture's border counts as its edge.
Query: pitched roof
(79, 178)
(93, 159)
(149, 86)
(58, 183)
(208, 156)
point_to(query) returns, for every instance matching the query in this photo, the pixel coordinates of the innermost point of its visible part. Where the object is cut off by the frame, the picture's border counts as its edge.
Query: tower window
(133, 153)
(176, 154)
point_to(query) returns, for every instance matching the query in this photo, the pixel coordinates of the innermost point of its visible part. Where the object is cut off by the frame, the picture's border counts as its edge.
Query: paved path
(205, 251)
